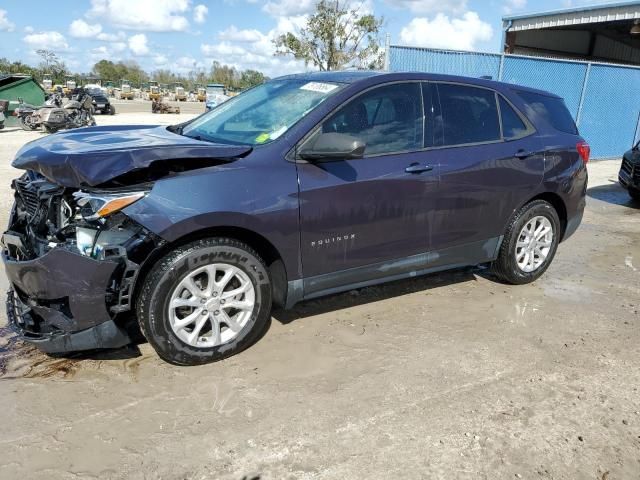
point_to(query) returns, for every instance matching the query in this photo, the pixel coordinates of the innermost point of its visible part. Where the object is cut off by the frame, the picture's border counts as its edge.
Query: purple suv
(304, 186)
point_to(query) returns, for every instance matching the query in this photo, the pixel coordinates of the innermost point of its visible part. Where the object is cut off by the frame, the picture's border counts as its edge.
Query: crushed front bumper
(59, 301)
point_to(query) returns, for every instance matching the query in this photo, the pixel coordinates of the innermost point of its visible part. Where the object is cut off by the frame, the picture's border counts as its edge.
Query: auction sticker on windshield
(319, 87)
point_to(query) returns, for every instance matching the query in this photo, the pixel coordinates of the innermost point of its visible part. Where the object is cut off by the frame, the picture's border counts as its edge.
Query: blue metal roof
(577, 8)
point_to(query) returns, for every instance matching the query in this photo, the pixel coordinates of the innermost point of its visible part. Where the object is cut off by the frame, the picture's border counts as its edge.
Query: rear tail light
(584, 150)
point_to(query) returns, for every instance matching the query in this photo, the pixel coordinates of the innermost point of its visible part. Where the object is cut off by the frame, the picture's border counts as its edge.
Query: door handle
(417, 168)
(522, 154)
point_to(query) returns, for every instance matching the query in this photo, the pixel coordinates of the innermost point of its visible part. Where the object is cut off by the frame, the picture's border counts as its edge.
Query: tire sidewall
(536, 209)
(157, 325)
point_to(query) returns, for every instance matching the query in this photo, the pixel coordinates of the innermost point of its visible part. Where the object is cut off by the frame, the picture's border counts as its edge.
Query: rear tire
(180, 307)
(523, 257)
(24, 125)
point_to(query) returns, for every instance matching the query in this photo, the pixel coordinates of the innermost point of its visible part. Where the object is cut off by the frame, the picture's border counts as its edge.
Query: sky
(182, 34)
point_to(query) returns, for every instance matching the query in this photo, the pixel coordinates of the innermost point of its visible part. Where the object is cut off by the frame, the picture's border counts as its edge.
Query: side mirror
(333, 146)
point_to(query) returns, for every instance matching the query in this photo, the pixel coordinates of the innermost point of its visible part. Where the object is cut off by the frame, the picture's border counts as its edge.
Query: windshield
(262, 114)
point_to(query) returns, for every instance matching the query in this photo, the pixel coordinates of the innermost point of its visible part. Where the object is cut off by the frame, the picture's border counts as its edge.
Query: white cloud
(5, 24)
(511, 6)
(49, 40)
(81, 29)
(149, 15)
(232, 34)
(112, 37)
(442, 32)
(430, 6)
(138, 44)
(29, 29)
(200, 13)
(282, 8)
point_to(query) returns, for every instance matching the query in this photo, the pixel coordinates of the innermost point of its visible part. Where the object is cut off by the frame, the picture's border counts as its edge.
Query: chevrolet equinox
(304, 186)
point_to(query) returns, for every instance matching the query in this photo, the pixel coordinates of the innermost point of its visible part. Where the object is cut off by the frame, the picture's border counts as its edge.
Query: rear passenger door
(489, 162)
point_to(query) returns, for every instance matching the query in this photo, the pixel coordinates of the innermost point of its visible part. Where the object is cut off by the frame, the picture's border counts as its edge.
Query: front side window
(466, 115)
(388, 119)
(262, 114)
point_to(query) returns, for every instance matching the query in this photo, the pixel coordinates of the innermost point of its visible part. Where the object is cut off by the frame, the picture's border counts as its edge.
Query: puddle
(20, 360)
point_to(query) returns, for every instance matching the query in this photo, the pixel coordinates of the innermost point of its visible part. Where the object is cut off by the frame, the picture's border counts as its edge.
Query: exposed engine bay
(48, 216)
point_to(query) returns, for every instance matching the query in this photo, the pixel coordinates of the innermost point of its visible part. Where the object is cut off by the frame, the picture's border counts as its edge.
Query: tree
(251, 78)
(336, 36)
(52, 65)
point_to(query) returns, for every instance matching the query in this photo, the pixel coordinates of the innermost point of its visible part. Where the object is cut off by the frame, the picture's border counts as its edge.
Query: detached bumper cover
(59, 301)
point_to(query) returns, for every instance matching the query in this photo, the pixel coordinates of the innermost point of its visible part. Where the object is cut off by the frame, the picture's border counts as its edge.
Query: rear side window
(552, 110)
(512, 125)
(467, 115)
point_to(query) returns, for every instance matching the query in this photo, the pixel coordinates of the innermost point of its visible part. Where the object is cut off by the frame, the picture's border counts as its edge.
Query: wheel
(529, 244)
(205, 301)
(1, 125)
(634, 194)
(112, 110)
(26, 125)
(50, 129)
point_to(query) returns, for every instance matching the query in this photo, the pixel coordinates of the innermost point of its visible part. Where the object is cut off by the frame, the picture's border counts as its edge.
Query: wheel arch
(557, 203)
(267, 251)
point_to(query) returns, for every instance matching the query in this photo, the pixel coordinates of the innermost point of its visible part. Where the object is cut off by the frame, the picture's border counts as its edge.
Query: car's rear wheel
(205, 301)
(529, 244)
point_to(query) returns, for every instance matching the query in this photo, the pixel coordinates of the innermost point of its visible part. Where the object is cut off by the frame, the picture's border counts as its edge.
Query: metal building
(603, 33)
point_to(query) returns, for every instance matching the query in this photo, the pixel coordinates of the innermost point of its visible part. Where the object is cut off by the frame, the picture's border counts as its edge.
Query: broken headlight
(96, 206)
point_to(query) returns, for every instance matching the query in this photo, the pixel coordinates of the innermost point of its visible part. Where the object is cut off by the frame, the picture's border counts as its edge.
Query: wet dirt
(447, 376)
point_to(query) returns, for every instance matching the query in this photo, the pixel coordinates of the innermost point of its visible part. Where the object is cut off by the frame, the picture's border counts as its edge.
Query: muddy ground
(446, 376)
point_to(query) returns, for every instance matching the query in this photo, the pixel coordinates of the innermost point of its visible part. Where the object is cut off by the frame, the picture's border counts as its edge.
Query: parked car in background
(100, 101)
(304, 186)
(629, 175)
(215, 95)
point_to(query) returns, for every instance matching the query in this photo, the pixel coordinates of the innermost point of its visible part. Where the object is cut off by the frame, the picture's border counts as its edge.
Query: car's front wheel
(205, 301)
(634, 194)
(529, 244)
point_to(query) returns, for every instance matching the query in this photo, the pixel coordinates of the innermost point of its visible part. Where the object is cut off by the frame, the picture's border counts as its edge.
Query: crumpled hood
(95, 155)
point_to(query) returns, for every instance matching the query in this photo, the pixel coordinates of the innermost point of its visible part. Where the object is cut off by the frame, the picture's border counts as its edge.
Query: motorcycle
(25, 113)
(75, 113)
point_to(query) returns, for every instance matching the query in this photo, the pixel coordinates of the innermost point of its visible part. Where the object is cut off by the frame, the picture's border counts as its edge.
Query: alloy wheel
(211, 305)
(534, 244)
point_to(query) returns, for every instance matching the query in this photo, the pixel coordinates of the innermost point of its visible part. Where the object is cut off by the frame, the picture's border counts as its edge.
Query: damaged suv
(303, 186)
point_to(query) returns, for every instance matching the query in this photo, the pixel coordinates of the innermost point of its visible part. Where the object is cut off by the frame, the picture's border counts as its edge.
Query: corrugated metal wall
(604, 99)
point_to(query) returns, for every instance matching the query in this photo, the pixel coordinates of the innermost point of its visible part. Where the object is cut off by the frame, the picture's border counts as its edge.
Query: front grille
(627, 166)
(29, 195)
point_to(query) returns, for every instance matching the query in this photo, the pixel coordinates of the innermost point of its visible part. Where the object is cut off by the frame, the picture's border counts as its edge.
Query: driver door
(361, 218)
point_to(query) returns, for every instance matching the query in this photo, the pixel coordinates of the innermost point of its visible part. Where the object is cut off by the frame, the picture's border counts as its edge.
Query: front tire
(205, 301)
(529, 244)
(634, 194)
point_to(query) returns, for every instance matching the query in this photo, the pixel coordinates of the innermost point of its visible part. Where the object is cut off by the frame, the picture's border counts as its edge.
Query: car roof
(372, 77)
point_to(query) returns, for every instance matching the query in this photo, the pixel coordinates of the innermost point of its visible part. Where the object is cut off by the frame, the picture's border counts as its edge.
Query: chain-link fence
(604, 99)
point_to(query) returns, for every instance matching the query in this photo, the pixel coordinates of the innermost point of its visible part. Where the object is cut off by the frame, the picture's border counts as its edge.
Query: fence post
(583, 94)
(501, 68)
(387, 52)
